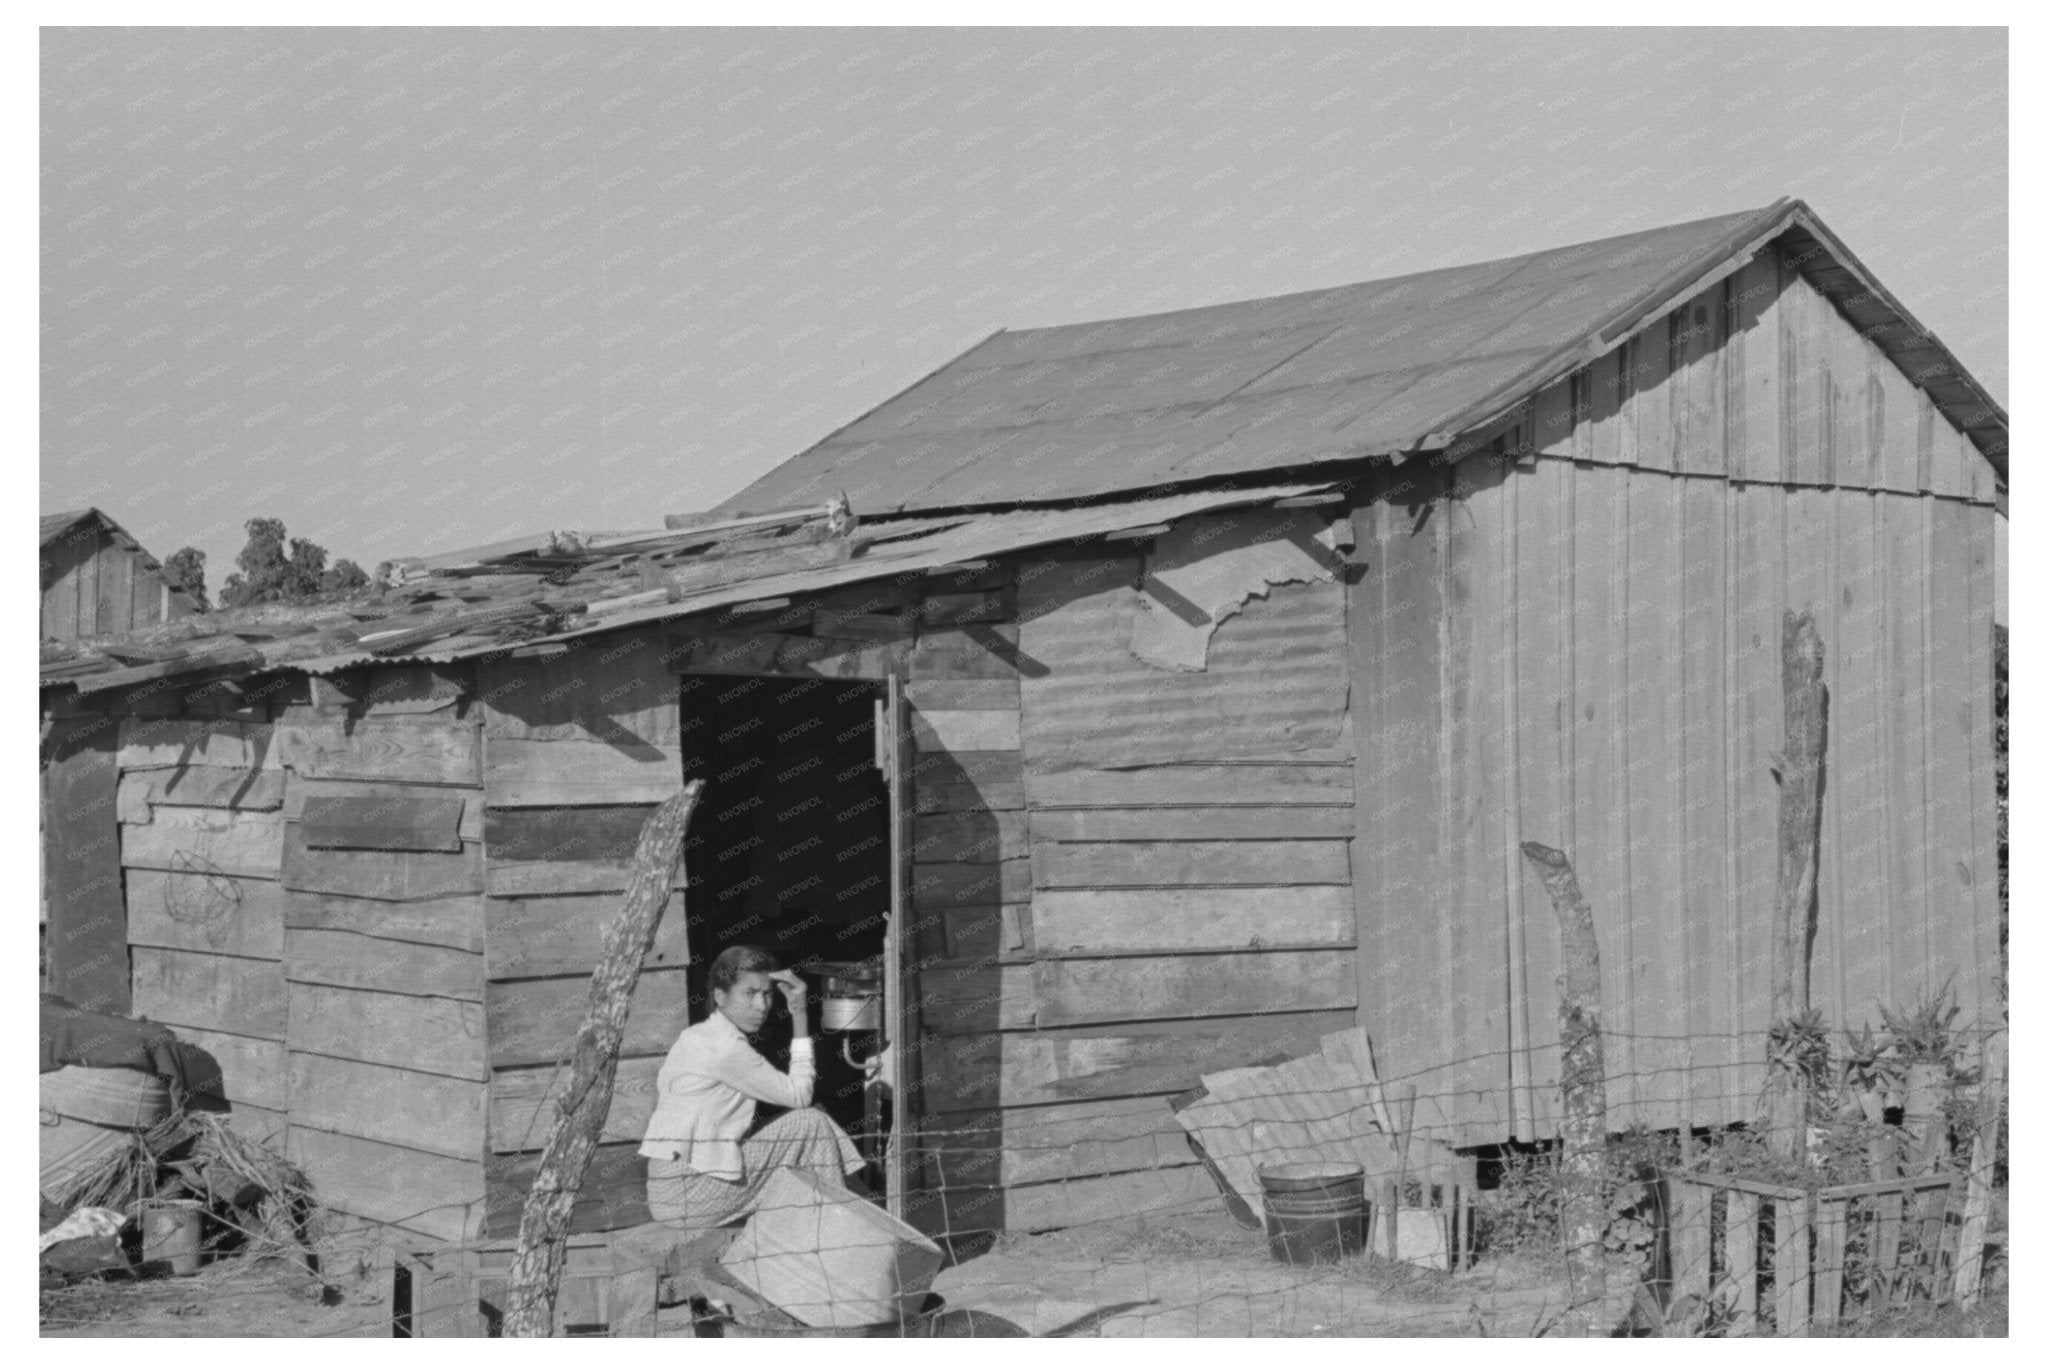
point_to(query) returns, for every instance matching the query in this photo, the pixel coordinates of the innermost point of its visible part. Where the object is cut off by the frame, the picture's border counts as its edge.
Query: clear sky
(416, 289)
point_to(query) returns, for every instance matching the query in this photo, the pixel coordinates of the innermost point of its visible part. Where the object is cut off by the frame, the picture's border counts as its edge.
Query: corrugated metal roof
(1379, 368)
(458, 614)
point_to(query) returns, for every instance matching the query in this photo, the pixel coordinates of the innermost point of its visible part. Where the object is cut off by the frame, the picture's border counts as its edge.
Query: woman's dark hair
(734, 962)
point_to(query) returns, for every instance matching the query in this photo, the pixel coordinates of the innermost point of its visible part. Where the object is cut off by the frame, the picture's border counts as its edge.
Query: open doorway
(789, 850)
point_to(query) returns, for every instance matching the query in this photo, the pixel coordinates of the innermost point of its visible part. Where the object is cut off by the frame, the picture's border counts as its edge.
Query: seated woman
(706, 1164)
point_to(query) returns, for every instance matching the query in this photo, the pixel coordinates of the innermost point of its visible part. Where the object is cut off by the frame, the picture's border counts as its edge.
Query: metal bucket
(170, 1236)
(1315, 1213)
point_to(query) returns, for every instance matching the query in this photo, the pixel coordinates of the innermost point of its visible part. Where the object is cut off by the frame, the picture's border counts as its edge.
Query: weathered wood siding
(580, 746)
(1582, 648)
(202, 841)
(1092, 941)
(385, 1066)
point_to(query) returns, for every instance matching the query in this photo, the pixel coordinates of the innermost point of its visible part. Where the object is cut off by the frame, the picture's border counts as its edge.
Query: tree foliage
(186, 571)
(275, 568)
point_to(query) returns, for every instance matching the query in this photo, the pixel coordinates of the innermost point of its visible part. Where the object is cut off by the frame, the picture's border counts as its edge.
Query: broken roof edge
(980, 538)
(1470, 430)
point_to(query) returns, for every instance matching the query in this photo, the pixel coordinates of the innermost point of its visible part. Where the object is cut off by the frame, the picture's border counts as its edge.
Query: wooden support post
(1798, 770)
(1583, 1086)
(580, 1115)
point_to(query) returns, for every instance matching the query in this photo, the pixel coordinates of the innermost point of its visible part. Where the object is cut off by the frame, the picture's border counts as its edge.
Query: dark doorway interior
(789, 849)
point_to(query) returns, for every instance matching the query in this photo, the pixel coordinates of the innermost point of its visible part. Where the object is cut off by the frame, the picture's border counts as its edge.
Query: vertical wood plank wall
(202, 845)
(1581, 647)
(579, 746)
(85, 921)
(384, 1066)
(1092, 941)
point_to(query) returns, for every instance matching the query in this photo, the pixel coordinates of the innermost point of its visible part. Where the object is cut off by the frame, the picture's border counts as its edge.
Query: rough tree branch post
(1798, 770)
(1583, 1086)
(580, 1114)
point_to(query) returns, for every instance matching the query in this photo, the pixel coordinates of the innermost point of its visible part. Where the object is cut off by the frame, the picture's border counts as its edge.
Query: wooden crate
(459, 1291)
(1791, 1259)
(1440, 1195)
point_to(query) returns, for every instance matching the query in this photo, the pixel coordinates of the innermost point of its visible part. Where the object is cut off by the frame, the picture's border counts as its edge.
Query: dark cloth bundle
(72, 1036)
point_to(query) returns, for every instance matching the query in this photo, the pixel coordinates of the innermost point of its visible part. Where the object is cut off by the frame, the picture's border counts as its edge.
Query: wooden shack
(1178, 691)
(96, 580)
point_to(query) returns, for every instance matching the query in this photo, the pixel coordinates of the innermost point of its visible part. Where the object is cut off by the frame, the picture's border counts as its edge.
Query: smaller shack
(97, 580)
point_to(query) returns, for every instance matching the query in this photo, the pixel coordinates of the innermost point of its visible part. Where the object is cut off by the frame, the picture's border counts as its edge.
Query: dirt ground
(1191, 1274)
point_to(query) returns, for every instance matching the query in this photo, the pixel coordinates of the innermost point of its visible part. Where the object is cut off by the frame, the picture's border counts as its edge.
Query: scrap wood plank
(523, 1110)
(1744, 1212)
(227, 788)
(970, 837)
(380, 875)
(415, 1032)
(218, 842)
(325, 956)
(534, 1022)
(1264, 783)
(392, 690)
(967, 765)
(972, 730)
(968, 608)
(469, 827)
(942, 797)
(1109, 989)
(1192, 918)
(1192, 823)
(386, 823)
(1252, 862)
(433, 1195)
(222, 994)
(456, 922)
(394, 748)
(968, 653)
(517, 879)
(237, 916)
(940, 885)
(972, 694)
(778, 655)
(251, 1069)
(572, 772)
(1310, 1109)
(407, 1108)
(613, 1193)
(559, 935)
(588, 833)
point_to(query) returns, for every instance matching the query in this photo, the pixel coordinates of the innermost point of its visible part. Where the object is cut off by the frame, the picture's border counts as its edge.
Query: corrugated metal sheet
(1367, 369)
(1275, 682)
(325, 638)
